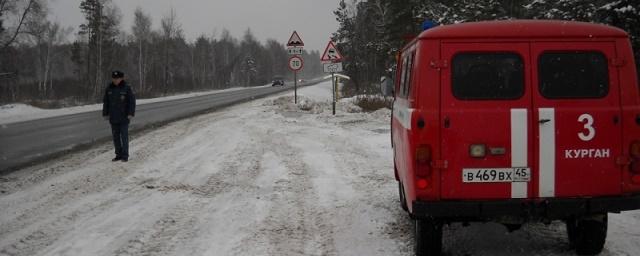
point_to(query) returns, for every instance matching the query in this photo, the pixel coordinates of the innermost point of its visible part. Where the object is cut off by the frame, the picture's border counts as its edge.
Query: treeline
(40, 65)
(371, 31)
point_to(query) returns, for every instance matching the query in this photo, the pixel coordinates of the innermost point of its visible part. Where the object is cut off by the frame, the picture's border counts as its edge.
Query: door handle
(544, 121)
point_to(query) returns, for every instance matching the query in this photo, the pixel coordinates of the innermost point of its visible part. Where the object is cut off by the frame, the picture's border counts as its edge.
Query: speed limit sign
(296, 63)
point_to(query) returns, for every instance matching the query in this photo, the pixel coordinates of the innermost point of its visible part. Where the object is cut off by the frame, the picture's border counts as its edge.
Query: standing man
(119, 106)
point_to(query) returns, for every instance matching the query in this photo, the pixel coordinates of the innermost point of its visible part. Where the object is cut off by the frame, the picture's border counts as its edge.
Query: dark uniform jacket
(119, 102)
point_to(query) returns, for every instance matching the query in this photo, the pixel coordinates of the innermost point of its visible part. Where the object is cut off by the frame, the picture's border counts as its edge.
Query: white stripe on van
(547, 161)
(402, 112)
(519, 145)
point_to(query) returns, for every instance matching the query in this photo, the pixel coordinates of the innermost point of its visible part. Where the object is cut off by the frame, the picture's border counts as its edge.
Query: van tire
(588, 234)
(428, 237)
(571, 231)
(403, 197)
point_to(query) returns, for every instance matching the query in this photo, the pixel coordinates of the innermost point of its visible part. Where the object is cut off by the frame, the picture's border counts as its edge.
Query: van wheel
(587, 234)
(428, 237)
(403, 198)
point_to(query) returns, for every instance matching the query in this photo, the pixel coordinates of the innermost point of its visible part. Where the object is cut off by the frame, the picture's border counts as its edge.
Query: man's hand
(129, 117)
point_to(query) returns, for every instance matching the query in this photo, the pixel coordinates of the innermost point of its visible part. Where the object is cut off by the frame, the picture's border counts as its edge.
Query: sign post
(333, 85)
(332, 60)
(296, 62)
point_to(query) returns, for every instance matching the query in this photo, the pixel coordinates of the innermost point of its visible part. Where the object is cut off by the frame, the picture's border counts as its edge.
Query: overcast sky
(276, 19)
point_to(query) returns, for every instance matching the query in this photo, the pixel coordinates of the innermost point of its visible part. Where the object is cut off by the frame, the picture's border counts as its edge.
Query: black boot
(116, 159)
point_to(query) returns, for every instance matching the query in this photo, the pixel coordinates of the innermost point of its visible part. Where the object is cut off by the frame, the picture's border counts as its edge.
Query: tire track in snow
(377, 215)
(295, 224)
(182, 223)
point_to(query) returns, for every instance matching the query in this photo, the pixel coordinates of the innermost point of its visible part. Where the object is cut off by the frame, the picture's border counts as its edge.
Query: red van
(515, 122)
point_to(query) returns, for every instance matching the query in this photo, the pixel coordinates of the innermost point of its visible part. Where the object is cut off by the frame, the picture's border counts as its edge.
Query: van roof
(523, 29)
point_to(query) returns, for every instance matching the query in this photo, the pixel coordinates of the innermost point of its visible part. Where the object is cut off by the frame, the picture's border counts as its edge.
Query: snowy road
(261, 178)
(32, 140)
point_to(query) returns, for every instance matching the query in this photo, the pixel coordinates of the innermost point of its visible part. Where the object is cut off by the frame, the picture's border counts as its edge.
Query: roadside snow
(263, 178)
(13, 113)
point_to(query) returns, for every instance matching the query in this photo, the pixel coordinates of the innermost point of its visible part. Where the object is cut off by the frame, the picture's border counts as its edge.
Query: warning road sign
(295, 40)
(331, 53)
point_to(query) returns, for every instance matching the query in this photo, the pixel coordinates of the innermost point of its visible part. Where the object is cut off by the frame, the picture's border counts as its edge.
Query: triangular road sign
(331, 53)
(295, 40)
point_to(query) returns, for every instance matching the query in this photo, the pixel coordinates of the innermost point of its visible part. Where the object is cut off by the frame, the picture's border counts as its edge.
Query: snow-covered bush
(305, 104)
(370, 103)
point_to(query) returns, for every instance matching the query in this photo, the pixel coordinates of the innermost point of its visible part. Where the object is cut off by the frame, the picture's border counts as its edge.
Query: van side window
(403, 77)
(575, 75)
(409, 79)
(487, 76)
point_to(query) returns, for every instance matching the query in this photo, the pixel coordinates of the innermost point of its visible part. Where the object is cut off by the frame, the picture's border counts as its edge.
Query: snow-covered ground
(261, 178)
(12, 113)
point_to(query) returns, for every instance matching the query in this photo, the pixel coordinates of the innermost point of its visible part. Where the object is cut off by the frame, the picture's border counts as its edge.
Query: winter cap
(117, 74)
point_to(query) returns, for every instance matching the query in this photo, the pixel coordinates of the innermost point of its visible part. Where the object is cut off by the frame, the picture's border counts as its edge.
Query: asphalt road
(29, 142)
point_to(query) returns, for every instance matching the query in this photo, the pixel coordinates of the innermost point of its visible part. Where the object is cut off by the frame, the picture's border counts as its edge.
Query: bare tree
(170, 29)
(44, 35)
(142, 33)
(11, 8)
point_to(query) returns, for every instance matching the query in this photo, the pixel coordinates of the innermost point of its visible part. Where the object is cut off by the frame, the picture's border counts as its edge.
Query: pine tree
(345, 38)
(203, 68)
(249, 65)
(403, 22)
(469, 10)
(624, 14)
(577, 10)
(100, 29)
(278, 56)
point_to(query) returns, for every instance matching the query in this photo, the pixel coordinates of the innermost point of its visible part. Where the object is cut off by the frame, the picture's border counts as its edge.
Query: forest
(372, 31)
(47, 65)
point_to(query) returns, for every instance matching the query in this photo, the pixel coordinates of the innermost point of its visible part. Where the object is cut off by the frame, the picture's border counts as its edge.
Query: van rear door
(577, 109)
(486, 138)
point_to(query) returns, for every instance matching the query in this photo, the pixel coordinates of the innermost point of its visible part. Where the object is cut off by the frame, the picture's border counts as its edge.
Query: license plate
(482, 175)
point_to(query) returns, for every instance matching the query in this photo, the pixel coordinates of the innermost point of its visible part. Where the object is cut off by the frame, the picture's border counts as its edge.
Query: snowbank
(317, 100)
(307, 105)
(19, 108)
(13, 113)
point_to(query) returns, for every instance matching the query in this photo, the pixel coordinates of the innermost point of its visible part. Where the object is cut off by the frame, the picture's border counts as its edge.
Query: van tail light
(423, 161)
(422, 184)
(423, 154)
(634, 152)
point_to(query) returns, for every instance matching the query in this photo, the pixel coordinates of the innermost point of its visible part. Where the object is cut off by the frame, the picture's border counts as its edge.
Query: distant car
(277, 81)
(301, 81)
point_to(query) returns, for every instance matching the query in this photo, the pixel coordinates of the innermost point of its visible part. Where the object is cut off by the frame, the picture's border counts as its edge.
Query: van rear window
(573, 75)
(488, 76)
